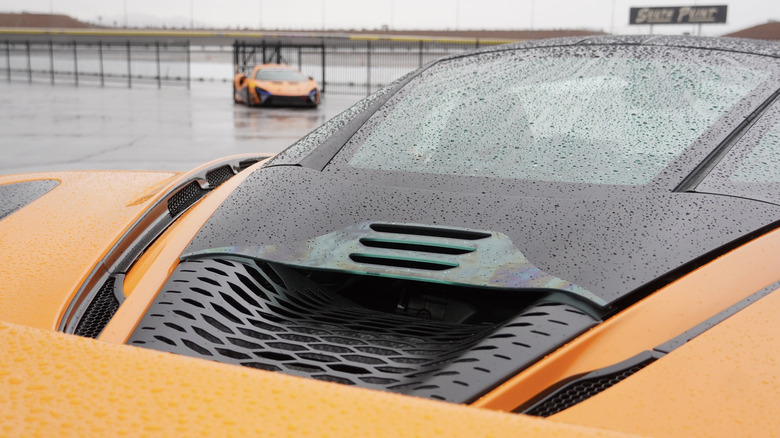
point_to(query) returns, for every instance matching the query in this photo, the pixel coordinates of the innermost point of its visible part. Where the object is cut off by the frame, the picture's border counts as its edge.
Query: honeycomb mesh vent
(247, 314)
(581, 390)
(219, 175)
(99, 311)
(185, 197)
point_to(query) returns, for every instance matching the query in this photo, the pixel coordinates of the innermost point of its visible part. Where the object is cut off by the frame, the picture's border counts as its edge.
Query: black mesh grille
(99, 311)
(581, 390)
(246, 314)
(185, 197)
(219, 175)
(246, 163)
(289, 101)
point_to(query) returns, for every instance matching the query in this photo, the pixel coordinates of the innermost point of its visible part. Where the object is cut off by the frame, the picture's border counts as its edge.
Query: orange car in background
(275, 84)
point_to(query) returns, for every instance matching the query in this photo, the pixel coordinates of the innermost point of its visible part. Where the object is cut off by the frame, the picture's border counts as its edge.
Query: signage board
(678, 15)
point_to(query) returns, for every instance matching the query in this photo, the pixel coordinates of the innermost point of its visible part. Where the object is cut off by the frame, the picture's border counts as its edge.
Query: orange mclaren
(275, 84)
(562, 238)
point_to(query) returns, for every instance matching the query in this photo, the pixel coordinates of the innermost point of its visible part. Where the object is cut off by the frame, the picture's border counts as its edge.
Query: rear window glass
(598, 118)
(280, 76)
(751, 168)
(762, 164)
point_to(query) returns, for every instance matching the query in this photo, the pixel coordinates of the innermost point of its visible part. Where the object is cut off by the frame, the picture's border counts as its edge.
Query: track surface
(64, 127)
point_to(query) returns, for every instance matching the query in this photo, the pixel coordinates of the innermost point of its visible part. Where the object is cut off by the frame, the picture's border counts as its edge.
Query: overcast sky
(603, 15)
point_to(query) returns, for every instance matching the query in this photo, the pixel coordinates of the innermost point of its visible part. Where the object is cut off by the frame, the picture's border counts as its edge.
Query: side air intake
(587, 386)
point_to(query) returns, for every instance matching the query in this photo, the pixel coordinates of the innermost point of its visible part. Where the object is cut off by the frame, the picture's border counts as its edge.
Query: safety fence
(97, 62)
(339, 65)
(348, 66)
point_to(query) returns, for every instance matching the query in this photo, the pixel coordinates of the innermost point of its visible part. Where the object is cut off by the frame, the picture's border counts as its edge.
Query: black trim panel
(17, 195)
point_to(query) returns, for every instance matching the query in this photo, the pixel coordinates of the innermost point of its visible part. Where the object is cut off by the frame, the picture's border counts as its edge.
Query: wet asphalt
(46, 127)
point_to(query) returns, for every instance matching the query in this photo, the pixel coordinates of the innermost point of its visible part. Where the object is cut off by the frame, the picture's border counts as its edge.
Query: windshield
(280, 76)
(566, 117)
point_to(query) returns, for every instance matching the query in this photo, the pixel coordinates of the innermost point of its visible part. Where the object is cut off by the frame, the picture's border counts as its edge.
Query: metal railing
(96, 62)
(339, 65)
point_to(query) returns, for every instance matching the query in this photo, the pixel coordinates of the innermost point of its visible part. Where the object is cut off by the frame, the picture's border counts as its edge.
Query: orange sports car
(576, 237)
(275, 84)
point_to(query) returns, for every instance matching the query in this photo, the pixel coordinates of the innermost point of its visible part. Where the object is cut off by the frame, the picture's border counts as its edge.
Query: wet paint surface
(488, 261)
(608, 245)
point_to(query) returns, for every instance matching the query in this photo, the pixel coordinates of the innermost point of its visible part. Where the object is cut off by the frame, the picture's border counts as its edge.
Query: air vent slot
(247, 163)
(185, 197)
(219, 175)
(587, 386)
(99, 312)
(415, 230)
(403, 262)
(416, 246)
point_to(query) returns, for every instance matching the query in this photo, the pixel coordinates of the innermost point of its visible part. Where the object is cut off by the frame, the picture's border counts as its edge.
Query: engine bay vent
(404, 338)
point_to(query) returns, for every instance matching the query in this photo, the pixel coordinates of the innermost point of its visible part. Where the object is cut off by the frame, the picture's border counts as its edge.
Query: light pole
(612, 19)
(457, 15)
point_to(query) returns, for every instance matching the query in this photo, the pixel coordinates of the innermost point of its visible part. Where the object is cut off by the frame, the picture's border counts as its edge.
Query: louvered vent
(412, 254)
(416, 230)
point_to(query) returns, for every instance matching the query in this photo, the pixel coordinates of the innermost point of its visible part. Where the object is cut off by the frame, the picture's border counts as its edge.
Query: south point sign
(678, 15)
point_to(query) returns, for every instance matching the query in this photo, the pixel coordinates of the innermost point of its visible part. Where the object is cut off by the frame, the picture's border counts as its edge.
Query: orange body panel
(53, 384)
(49, 247)
(60, 384)
(669, 312)
(722, 383)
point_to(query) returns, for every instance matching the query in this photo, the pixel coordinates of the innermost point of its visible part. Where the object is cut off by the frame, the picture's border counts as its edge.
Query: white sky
(397, 14)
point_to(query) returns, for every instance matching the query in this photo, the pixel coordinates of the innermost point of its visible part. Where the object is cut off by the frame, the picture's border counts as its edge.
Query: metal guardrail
(339, 65)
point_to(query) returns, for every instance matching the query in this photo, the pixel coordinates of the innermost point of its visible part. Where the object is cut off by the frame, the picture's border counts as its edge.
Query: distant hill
(41, 20)
(66, 22)
(766, 31)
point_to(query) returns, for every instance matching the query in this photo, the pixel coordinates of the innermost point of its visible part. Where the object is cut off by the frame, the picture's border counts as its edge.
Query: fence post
(300, 66)
(235, 57)
(8, 58)
(100, 61)
(420, 62)
(76, 63)
(322, 49)
(29, 63)
(159, 77)
(51, 60)
(189, 74)
(368, 68)
(129, 70)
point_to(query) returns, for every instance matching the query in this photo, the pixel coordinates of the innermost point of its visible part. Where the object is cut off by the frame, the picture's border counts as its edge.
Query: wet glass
(591, 117)
(280, 76)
